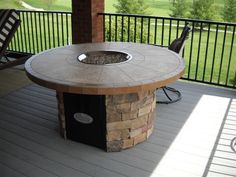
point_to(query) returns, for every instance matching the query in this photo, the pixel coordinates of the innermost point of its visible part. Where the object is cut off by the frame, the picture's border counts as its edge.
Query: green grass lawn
(7, 4)
(58, 5)
(156, 7)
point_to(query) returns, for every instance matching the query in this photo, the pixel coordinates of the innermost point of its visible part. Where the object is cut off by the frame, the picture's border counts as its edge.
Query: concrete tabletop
(150, 67)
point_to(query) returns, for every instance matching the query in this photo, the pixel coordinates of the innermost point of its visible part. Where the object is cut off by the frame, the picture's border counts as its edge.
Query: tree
(179, 8)
(123, 6)
(229, 11)
(203, 9)
(131, 7)
(127, 26)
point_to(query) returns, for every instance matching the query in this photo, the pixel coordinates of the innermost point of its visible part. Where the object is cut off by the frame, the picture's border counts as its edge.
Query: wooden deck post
(87, 26)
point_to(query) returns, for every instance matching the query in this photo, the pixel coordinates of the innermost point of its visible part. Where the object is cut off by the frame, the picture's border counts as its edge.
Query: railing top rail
(171, 18)
(46, 11)
(142, 16)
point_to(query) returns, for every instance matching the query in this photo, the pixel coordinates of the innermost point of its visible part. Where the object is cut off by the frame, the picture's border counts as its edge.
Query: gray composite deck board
(26, 109)
(50, 150)
(39, 100)
(12, 79)
(6, 172)
(42, 107)
(20, 114)
(30, 144)
(39, 94)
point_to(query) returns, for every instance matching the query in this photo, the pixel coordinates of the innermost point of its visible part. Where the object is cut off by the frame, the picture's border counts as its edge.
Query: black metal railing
(41, 30)
(209, 52)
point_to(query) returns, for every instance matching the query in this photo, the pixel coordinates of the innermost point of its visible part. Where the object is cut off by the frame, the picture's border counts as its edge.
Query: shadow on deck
(191, 138)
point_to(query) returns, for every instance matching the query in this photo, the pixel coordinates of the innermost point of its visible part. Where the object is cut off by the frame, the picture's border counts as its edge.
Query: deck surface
(191, 137)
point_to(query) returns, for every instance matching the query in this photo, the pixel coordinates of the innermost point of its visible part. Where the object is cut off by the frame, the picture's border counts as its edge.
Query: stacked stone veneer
(61, 114)
(129, 117)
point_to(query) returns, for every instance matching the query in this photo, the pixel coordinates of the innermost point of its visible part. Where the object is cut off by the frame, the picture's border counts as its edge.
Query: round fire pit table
(106, 91)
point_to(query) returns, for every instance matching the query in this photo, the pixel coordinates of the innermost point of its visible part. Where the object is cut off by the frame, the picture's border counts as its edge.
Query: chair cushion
(9, 22)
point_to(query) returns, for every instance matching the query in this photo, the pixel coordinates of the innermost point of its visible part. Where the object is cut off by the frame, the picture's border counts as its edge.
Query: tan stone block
(108, 99)
(149, 97)
(113, 135)
(61, 112)
(113, 116)
(150, 126)
(152, 92)
(61, 106)
(62, 118)
(114, 146)
(151, 117)
(110, 108)
(117, 135)
(135, 106)
(125, 98)
(149, 132)
(62, 122)
(128, 143)
(142, 94)
(129, 115)
(124, 134)
(135, 132)
(141, 103)
(148, 100)
(144, 128)
(153, 106)
(145, 110)
(63, 125)
(140, 122)
(119, 125)
(125, 107)
(140, 138)
(154, 96)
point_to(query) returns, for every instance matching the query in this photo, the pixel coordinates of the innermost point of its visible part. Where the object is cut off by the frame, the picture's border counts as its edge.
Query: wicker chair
(177, 46)
(9, 22)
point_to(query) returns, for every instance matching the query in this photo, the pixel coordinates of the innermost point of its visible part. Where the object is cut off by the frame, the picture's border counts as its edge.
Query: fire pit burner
(104, 57)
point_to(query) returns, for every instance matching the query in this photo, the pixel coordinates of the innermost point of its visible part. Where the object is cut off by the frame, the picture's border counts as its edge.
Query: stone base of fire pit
(106, 91)
(129, 119)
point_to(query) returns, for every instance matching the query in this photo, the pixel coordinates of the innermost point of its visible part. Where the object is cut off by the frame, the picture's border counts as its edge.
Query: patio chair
(177, 46)
(9, 22)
